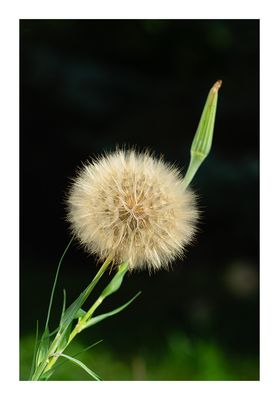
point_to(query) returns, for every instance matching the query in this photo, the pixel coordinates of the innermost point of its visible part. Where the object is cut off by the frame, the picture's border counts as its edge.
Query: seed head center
(132, 213)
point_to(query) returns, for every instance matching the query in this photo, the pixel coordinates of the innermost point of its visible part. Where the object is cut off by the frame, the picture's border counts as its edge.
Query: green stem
(194, 165)
(79, 326)
(50, 359)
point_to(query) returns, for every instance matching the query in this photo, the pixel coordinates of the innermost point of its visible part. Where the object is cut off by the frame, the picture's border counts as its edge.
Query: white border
(10, 13)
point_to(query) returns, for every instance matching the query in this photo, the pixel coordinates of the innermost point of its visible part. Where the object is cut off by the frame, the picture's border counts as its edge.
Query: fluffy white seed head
(132, 207)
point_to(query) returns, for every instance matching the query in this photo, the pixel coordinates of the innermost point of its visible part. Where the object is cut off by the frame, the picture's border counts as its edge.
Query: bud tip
(216, 86)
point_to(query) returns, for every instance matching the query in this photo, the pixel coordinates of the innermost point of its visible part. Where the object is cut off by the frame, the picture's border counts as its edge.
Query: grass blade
(55, 282)
(43, 347)
(48, 374)
(34, 351)
(72, 311)
(64, 305)
(99, 318)
(116, 281)
(112, 287)
(80, 364)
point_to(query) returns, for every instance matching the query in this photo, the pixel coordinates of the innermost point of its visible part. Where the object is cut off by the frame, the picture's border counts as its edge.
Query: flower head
(132, 207)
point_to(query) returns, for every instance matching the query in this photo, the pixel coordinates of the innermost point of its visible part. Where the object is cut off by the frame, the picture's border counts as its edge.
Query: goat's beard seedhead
(132, 207)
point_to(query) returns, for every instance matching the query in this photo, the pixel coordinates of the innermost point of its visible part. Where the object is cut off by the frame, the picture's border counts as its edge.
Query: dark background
(89, 85)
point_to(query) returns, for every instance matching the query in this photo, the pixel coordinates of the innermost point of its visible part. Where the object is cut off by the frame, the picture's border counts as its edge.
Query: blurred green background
(89, 85)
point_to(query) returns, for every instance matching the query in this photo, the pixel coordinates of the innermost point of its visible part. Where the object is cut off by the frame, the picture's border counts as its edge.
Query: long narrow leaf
(34, 351)
(55, 281)
(81, 365)
(72, 310)
(116, 282)
(43, 347)
(99, 318)
(54, 332)
(64, 305)
(63, 340)
(112, 287)
(80, 313)
(48, 374)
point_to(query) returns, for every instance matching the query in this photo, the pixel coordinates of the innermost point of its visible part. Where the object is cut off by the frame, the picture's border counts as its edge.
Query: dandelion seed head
(132, 207)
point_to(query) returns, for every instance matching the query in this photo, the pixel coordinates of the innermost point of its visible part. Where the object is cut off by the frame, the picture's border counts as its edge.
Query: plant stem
(79, 326)
(50, 359)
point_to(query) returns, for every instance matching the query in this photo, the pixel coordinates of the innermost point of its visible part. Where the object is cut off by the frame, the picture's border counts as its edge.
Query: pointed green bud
(202, 141)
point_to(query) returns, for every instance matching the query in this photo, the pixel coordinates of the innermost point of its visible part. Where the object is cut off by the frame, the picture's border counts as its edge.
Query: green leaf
(116, 282)
(80, 364)
(71, 312)
(63, 305)
(55, 281)
(54, 332)
(43, 347)
(47, 374)
(112, 287)
(34, 351)
(63, 340)
(99, 318)
(80, 313)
